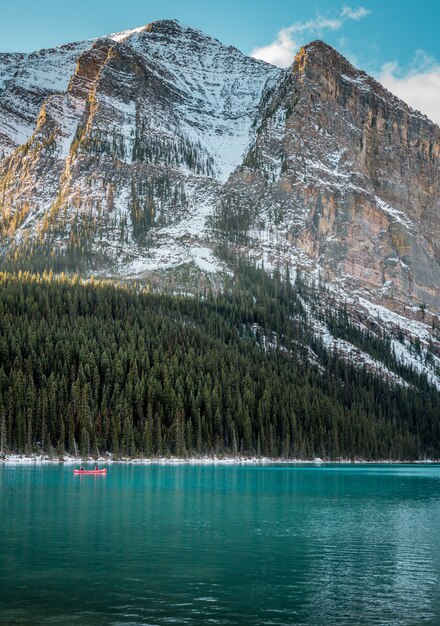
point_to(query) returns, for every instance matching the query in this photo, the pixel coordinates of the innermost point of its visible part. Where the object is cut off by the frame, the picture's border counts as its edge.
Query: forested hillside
(89, 368)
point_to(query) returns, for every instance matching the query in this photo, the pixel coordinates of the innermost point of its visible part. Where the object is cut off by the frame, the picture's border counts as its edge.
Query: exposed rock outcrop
(347, 173)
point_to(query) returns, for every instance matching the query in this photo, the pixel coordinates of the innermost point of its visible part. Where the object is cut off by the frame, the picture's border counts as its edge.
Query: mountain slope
(26, 80)
(151, 123)
(121, 147)
(160, 154)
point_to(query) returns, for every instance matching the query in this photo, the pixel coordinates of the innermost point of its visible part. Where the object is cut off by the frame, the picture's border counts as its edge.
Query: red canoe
(98, 471)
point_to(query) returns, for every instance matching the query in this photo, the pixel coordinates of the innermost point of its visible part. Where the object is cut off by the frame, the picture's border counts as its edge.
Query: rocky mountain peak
(318, 51)
(347, 173)
(170, 28)
(315, 52)
(166, 27)
(323, 67)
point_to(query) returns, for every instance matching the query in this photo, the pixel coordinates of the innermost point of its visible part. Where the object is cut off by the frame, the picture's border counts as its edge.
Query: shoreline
(43, 459)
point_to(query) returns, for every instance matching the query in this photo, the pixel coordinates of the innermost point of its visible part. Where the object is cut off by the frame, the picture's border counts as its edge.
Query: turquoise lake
(286, 544)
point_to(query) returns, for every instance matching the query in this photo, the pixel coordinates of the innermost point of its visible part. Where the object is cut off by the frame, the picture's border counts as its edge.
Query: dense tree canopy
(88, 368)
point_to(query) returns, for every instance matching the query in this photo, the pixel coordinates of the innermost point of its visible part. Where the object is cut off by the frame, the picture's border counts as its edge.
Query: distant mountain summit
(155, 149)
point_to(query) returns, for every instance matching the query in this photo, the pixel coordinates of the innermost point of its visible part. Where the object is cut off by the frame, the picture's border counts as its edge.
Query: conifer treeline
(90, 368)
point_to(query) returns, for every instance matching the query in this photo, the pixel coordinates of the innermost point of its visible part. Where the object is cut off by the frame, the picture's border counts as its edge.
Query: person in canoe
(81, 468)
(96, 467)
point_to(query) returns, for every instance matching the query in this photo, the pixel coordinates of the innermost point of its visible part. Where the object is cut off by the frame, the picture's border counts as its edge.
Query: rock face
(346, 173)
(148, 149)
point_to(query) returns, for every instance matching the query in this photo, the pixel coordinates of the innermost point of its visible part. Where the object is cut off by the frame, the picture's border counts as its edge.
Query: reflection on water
(223, 545)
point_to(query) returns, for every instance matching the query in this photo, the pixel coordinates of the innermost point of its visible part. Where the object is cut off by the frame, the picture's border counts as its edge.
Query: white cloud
(419, 87)
(282, 50)
(355, 14)
(317, 25)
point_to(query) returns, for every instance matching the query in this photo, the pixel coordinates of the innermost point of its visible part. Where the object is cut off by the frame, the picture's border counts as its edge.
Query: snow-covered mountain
(133, 145)
(153, 151)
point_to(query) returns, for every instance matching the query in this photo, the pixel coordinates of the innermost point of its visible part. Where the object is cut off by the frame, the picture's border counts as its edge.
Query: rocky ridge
(344, 171)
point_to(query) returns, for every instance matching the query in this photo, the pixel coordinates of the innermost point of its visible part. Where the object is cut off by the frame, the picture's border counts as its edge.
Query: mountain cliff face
(345, 172)
(160, 149)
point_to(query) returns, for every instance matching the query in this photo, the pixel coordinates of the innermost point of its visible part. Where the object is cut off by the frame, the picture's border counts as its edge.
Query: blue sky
(396, 40)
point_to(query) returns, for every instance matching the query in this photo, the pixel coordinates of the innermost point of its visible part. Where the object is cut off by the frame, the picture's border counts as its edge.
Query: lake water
(220, 545)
